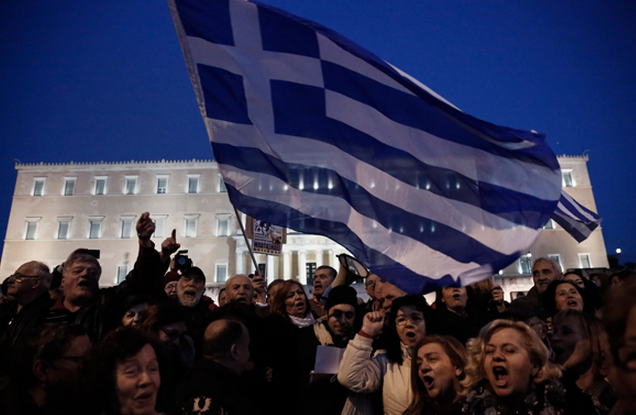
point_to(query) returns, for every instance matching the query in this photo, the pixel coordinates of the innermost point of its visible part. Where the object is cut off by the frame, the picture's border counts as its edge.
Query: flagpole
(249, 248)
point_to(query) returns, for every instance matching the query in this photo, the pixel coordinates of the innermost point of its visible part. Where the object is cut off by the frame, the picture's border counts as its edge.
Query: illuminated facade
(60, 207)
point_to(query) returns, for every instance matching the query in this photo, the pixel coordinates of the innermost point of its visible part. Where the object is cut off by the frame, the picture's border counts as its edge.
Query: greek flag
(576, 219)
(314, 133)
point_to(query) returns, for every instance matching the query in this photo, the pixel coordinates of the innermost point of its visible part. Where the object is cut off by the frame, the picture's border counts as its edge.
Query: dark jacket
(96, 315)
(15, 327)
(210, 389)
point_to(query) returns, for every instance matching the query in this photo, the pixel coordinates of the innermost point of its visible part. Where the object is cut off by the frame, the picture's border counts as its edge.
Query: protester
(564, 295)
(291, 303)
(390, 371)
(335, 329)
(122, 375)
(134, 308)
(544, 271)
(28, 290)
(260, 289)
(222, 297)
(579, 345)
(619, 317)
(323, 277)
(456, 316)
(437, 370)
(588, 289)
(213, 386)
(170, 282)
(508, 372)
(46, 378)
(85, 303)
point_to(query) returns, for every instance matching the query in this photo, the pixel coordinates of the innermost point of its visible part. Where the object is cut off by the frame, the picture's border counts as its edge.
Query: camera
(181, 261)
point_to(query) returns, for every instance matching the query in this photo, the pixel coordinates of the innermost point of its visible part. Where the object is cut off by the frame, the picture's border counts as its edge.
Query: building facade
(61, 207)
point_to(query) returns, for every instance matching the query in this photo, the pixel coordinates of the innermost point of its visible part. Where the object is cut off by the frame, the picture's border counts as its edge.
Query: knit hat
(342, 294)
(170, 276)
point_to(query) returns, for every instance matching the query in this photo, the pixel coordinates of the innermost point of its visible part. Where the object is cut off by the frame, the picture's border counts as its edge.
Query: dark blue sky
(91, 81)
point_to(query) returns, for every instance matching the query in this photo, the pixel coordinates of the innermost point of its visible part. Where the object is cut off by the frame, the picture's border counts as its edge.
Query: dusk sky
(92, 81)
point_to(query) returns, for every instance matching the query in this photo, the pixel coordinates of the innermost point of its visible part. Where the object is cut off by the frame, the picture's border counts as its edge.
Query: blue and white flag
(576, 219)
(314, 133)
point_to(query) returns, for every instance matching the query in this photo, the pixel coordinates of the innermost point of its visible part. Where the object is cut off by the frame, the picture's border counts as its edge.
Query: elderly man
(46, 381)
(29, 287)
(196, 306)
(85, 303)
(239, 288)
(386, 293)
(213, 385)
(323, 278)
(544, 271)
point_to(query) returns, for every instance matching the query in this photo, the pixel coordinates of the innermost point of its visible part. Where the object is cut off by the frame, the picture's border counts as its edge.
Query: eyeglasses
(339, 314)
(19, 277)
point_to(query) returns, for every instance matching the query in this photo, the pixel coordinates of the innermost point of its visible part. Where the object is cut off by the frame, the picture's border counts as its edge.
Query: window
(122, 271)
(162, 184)
(223, 226)
(584, 261)
(191, 226)
(38, 186)
(221, 273)
(31, 228)
(160, 226)
(69, 186)
(63, 225)
(550, 225)
(131, 185)
(222, 188)
(126, 226)
(100, 186)
(525, 264)
(95, 228)
(193, 184)
(557, 258)
(567, 178)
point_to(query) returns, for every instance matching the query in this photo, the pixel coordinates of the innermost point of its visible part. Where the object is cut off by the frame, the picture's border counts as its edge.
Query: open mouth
(410, 334)
(501, 375)
(573, 303)
(190, 293)
(428, 382)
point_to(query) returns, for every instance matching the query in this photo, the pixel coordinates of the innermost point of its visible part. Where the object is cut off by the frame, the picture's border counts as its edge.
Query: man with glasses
(318, 394)
(85, 303)
(46, 379)
(28, 286)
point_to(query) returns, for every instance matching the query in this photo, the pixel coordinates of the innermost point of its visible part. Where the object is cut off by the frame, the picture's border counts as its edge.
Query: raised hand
(170, 245)
(373, 323)
(145, 227)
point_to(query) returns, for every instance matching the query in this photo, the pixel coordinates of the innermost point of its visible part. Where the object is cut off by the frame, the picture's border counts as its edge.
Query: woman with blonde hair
(508, 372)
(437, 369)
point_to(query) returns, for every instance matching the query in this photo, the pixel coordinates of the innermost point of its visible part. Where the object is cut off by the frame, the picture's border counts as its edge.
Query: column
(302, 267)
(286, 265)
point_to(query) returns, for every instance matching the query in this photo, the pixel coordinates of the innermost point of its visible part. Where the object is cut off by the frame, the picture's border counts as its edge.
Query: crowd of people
(157, 344)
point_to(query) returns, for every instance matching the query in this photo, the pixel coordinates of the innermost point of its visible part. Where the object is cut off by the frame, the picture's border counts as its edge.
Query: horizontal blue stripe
(299, 110)
(412, 111)
(197, 17)
(541, 154)
(571, 209)
(579, 231)
(378, 263)
(451, 242)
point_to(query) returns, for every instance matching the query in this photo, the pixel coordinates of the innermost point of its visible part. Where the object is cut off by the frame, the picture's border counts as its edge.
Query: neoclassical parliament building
(61, 207)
